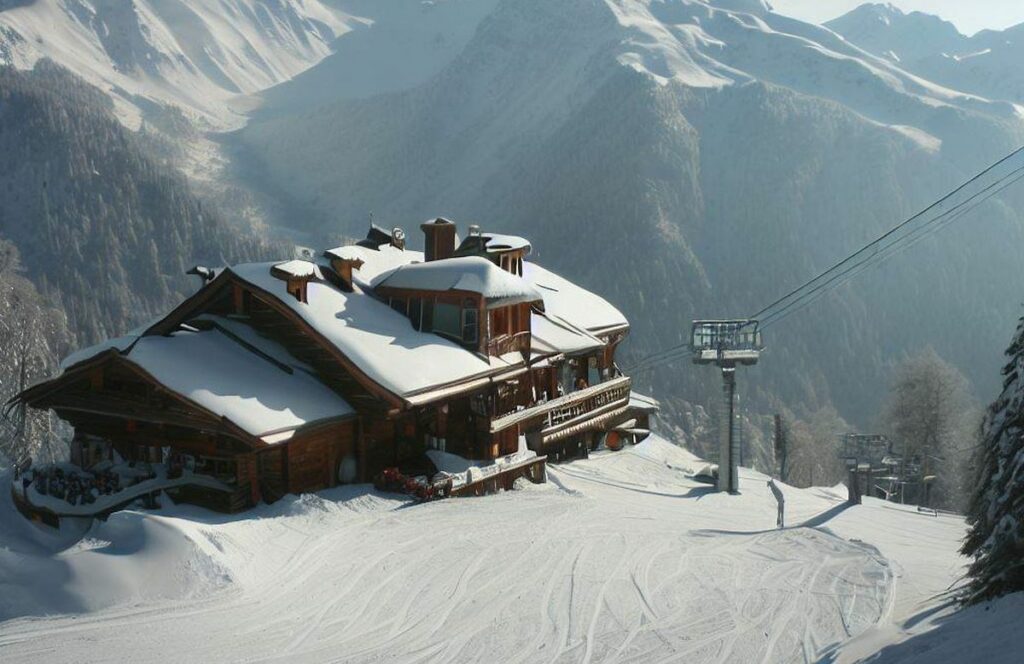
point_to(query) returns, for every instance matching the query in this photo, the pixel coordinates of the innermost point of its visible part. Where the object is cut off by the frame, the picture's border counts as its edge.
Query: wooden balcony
(509, 343)
(572, 413)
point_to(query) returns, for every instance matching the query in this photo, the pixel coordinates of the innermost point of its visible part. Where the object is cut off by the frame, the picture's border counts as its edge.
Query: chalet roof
(214, 371)
(121, 344)
(554, 335)
(468, 273)
(562, 298)
(375, 261)
(378, 340)
(571, 303)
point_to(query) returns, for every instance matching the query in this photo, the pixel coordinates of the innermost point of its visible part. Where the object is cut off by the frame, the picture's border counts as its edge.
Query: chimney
(343, 268)
(440, 239)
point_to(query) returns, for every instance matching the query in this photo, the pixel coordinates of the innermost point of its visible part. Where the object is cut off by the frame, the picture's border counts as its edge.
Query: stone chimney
(440, 239)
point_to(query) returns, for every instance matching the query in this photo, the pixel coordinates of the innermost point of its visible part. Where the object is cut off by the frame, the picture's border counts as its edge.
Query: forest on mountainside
(105, 230)
(96, 233)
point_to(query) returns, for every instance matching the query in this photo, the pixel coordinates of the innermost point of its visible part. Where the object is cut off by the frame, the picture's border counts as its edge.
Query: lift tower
(727, 343)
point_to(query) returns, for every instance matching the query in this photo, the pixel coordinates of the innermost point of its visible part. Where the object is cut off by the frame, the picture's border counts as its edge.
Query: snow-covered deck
(108, 502)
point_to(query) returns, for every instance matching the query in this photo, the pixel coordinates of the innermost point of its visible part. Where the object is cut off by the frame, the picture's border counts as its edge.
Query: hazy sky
(969, 16)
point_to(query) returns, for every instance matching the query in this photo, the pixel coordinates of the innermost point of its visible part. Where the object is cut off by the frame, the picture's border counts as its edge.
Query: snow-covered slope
(618, 558)
(987, 64)
(203, 57)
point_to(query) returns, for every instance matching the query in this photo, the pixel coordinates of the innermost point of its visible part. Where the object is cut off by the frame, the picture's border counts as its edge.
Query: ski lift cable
(796, 292)
(679, 354)
(908, 240)
(856, 269)
(862, 267)
(899, 245)
(895, 245)
(867, 256)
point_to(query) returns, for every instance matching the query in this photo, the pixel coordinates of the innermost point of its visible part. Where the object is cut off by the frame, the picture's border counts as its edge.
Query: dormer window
(448, 319)
(454, 297)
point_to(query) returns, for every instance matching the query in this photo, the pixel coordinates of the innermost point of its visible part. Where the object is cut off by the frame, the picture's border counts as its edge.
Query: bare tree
(30, 337)
(811, 447)
(931, 415)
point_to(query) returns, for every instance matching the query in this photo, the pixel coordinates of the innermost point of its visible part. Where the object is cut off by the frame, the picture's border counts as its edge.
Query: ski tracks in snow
(596, 567)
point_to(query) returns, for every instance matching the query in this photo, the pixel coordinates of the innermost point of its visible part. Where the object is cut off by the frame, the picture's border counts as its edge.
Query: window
(470, 322)
(448, 319)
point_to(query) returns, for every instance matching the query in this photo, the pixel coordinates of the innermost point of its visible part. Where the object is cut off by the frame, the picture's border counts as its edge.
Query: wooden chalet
(291, 377)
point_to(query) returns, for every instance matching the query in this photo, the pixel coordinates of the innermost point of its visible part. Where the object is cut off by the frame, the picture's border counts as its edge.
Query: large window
(460, 322)
(448, 319)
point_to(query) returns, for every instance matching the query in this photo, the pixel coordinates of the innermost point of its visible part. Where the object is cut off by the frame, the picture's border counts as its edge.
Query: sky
(969, 16)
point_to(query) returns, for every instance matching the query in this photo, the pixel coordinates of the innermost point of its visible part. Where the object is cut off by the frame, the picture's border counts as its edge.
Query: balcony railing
(567, 412)
(509, 343)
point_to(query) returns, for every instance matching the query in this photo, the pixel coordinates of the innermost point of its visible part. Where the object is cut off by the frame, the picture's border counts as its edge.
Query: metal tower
(727, 343)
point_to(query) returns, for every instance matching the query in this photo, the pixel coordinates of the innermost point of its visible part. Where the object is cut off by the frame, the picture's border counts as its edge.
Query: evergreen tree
(996, 535)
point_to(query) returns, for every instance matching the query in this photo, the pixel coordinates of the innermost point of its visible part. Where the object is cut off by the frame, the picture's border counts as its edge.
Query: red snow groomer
(394, 481)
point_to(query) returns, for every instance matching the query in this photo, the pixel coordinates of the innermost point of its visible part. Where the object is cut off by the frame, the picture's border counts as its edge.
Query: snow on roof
(555, 335)
(377, 339)
(297, 269)
(375, 261)
(643, 402)
(217, 373)
(567, 301)
(497, 242)
(247, 335)
(468, 273)
(120, 344)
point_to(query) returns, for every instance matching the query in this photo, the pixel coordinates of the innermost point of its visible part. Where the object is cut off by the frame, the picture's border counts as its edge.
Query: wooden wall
(313, 458)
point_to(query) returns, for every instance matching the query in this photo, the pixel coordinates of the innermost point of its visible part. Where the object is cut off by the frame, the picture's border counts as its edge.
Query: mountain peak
(886, 29)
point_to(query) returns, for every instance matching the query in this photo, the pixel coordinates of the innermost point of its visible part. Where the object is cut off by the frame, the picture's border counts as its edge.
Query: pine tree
(996, 535)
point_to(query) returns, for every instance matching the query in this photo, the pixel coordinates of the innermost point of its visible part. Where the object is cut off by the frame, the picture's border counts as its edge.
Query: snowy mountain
(987, 64)
(685, 159)
(203, 57)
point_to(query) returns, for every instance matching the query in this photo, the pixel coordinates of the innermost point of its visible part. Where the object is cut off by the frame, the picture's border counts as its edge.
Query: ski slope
(618, 558)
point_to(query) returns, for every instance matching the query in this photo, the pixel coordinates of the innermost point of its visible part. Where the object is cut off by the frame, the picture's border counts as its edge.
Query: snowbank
(631, 561)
